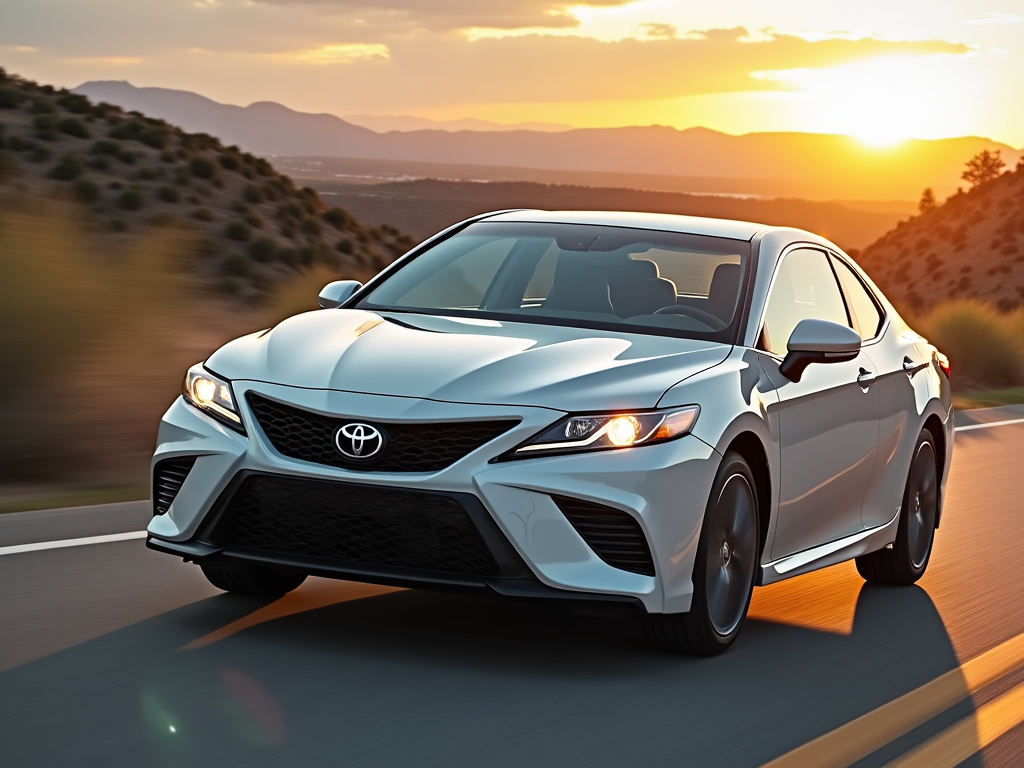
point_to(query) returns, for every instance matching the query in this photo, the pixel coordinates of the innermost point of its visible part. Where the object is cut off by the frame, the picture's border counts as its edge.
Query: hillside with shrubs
(253, 228)
(957, 272)
(969, 247)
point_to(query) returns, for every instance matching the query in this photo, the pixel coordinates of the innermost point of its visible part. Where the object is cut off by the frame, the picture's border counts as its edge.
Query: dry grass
(98, 330)
(88, 342)
(984, 345)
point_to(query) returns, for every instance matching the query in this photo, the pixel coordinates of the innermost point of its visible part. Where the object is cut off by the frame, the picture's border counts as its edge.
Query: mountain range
(818, 166)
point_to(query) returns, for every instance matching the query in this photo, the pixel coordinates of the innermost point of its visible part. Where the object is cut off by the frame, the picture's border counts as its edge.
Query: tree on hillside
(983, 167)
(928, 202)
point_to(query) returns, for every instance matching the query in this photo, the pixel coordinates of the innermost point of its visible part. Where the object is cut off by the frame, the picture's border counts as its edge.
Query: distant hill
(970, 246)
(815, 165)
(425, 206)
(385, 123)
(254, 227)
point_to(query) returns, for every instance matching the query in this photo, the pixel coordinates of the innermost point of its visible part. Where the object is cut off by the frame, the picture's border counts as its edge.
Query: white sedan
(652, 411)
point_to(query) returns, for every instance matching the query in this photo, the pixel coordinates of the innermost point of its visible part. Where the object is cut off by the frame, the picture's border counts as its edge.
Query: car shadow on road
(419, 678)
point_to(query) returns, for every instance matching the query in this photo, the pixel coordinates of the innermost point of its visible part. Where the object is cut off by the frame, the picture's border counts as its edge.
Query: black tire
(906, 561)
(724, 571)
(252, 580)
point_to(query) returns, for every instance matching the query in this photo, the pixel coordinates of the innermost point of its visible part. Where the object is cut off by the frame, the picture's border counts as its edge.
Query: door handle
(866, 378)
(910, 367)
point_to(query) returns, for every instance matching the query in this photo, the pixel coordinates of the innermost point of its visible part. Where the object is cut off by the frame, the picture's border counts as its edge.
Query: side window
(866, 316)
(805, 287)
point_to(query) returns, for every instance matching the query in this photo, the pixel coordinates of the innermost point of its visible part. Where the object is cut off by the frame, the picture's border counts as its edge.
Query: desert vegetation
(129, 172)
(130, 250)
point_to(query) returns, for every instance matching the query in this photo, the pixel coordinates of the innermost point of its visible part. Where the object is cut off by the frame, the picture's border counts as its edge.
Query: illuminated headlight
(212, 395)
(610, 431)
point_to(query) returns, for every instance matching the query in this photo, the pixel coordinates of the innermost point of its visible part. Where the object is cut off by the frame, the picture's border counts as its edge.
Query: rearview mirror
(337, 293)
(818, 341)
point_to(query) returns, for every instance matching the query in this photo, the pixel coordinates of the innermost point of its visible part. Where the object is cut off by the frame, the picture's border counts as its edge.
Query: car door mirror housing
(337, 293)
(818, 341)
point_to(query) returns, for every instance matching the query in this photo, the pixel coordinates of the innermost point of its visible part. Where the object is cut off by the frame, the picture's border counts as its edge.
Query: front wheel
(252, 580)
(723, 574)
(906, 560)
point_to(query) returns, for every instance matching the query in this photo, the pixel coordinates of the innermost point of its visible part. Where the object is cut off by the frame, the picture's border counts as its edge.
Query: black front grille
(431, 447)
(614, 535)
(168, 476)
(354, 524)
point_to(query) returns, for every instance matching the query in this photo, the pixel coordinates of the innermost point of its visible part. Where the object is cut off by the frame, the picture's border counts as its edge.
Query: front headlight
(609, 431)
(212, 395)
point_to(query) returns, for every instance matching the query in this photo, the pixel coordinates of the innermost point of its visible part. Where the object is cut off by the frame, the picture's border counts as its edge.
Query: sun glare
(881, 101)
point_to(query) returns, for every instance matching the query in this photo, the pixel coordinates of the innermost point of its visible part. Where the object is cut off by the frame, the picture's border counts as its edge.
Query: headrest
(725, 287)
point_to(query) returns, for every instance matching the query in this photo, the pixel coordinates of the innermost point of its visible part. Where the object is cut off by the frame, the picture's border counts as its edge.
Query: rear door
(898, 361)
(828, 420)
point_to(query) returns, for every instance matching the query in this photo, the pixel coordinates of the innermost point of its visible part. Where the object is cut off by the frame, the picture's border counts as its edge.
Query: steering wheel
(711, 321)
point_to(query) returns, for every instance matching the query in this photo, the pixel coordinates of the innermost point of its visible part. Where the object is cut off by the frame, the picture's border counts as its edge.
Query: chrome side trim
(834, 552)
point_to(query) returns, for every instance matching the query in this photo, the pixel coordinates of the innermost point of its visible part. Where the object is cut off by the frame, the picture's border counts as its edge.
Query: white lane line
(35, 547)
(989, 424)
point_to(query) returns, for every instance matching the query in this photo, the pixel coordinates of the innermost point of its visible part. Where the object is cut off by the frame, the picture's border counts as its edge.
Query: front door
(828, 421)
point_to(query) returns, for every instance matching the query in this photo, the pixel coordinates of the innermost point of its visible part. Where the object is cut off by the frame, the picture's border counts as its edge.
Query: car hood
(466, 360)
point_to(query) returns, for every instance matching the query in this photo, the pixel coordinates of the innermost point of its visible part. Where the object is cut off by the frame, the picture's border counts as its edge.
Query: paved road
(114, 655)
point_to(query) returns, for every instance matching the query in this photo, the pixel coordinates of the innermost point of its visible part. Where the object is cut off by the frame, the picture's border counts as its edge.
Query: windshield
(635, 280)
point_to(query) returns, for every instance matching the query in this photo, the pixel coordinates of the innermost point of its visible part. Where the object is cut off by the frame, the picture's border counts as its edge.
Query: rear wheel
(905, 562)
(252, 580)
(723, 574)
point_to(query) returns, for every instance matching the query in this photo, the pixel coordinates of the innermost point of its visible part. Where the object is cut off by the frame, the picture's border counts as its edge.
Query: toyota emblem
(358, 441)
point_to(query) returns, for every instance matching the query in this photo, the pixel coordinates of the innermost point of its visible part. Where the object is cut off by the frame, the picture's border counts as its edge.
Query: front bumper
(663, 487)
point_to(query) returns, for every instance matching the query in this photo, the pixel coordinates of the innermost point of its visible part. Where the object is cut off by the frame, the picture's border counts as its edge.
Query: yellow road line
(960, 741)
(859, 738)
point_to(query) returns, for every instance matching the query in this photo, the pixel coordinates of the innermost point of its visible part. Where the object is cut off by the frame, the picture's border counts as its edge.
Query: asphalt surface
(114, 655)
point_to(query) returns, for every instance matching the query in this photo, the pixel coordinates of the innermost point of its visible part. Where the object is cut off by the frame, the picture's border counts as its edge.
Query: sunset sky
(878, 69)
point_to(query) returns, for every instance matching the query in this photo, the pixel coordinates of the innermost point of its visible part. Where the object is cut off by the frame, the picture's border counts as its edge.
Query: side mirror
(818, 341)
(337, 293)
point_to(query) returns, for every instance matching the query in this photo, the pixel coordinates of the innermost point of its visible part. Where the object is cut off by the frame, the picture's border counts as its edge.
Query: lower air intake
(168, 477)
(352, 523)
(615, 536)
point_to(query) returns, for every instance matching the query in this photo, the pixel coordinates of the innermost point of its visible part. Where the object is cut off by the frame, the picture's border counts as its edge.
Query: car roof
(694, 225)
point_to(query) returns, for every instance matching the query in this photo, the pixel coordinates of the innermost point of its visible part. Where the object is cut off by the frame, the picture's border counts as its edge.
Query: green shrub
(985, 346)
(128, 130)
(237, 264)
(237, 230)
(287, 229)
(345, 245)
(127, 157)
(253, 219)
(262, 249)
(10, 98)
(75, 103)
(169, 194)
(202, 214)
(311, 227)
(19, 144)
(336, 217)
(202, 167)
(115, 185)
(86, 191)
(156, 136)
(70, 167)
(229, 161)
(117, 224)
(72, 126)
(42, 107)
(45, 127)
(105, 147)
(253, 194)
(168, 157)
(99, 164)
(146, 174)
(131, 200)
